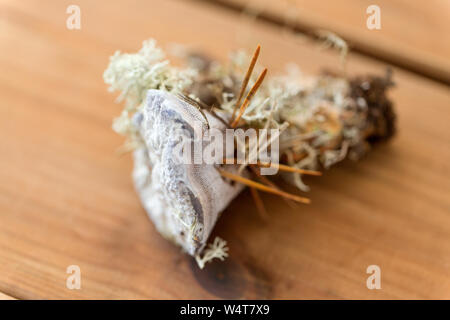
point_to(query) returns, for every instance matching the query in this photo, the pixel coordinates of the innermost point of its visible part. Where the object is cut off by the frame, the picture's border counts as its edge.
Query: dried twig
(284, 167)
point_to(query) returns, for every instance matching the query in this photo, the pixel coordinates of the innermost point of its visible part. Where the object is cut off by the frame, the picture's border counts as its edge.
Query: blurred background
(67, 199)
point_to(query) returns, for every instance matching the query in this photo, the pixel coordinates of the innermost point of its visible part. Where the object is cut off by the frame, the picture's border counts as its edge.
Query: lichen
(133, 74)
(215, 250)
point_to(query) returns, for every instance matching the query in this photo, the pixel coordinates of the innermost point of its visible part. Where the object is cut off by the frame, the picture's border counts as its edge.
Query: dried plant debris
(321, 119)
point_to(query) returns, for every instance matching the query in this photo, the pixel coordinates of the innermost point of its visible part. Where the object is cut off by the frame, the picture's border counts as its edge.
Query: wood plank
(414, 34)
(5, 297)
(67, 199)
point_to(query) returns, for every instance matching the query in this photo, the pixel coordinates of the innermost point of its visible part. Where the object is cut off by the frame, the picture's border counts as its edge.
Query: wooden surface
(414, 34)
(5, 297)
(67, 199)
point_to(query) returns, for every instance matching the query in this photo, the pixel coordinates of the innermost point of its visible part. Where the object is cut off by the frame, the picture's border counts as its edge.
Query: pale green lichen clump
(133, 74)
(216, 250)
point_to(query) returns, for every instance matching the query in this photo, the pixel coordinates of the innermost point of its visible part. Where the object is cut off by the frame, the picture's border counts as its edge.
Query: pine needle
(259, 204)
(262, 187)
(280, 166)
(246, 79)
(284, 167)
(249, 97)
(268, 182)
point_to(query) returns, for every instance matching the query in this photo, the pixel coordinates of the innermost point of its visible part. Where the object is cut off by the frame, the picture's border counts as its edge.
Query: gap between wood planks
(359, 46)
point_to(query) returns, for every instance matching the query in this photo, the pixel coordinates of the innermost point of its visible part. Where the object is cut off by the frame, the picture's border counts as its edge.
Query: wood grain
(414, 34)
(67, 199)
(6, 297)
